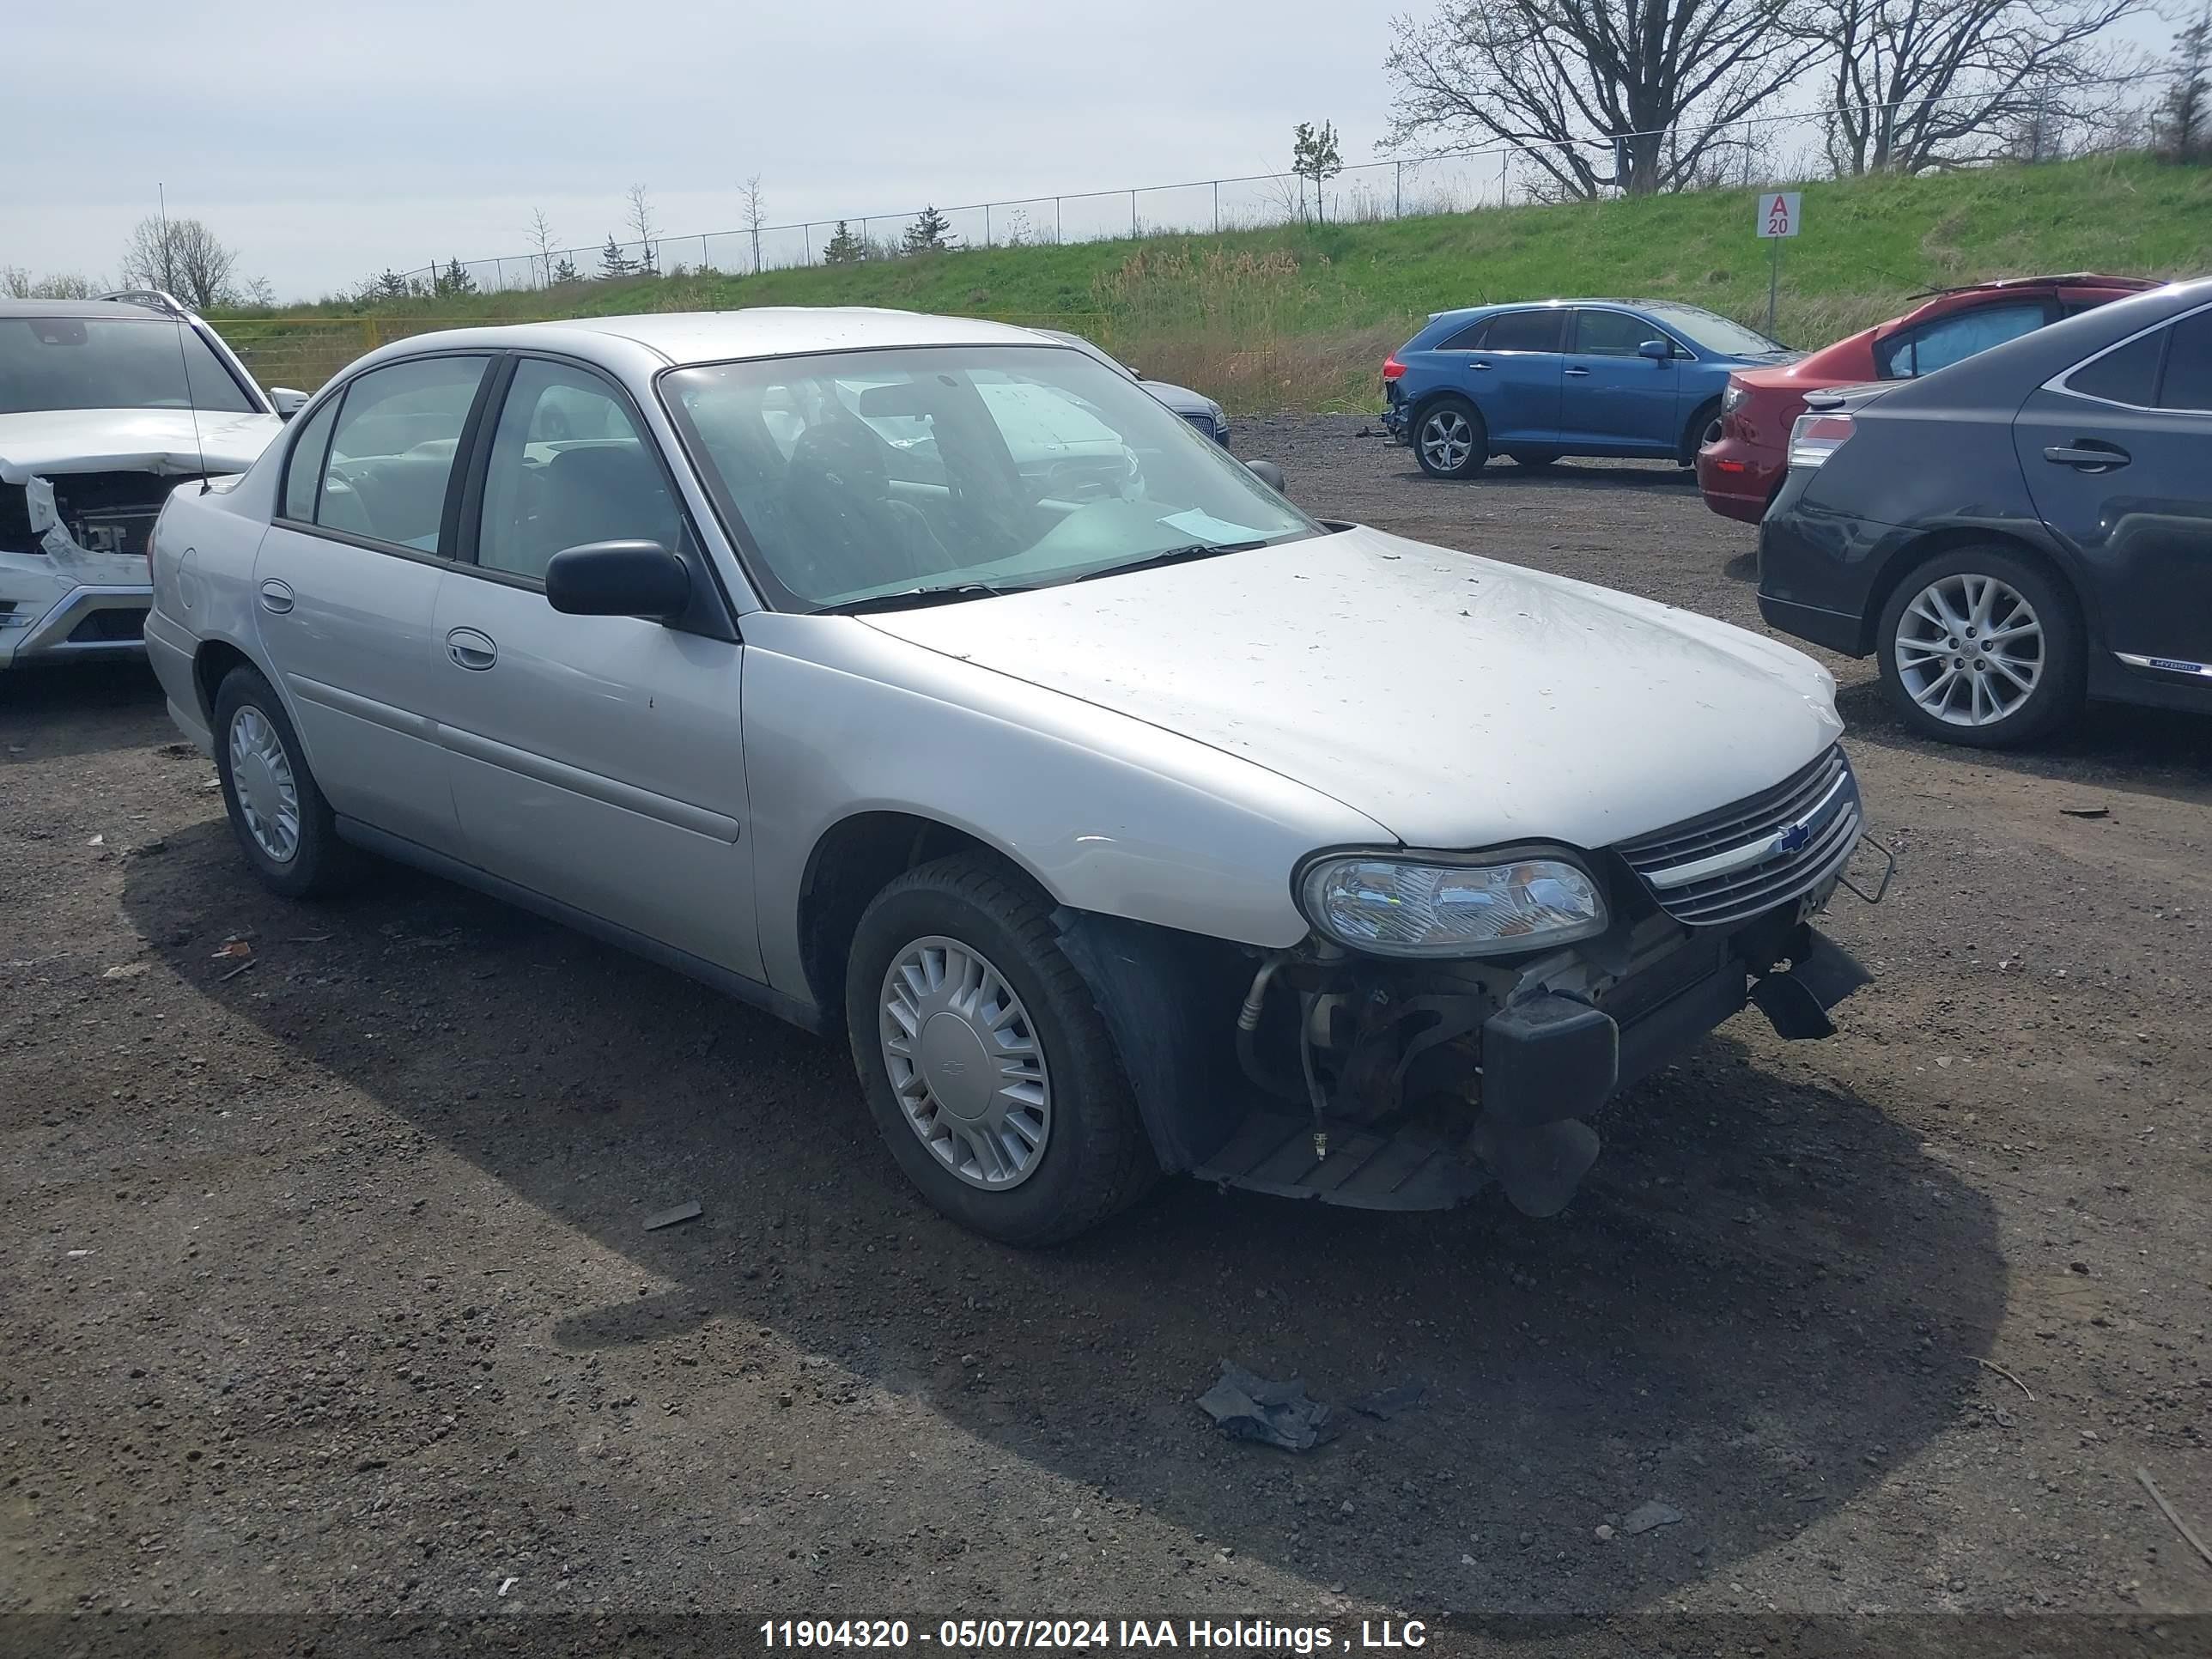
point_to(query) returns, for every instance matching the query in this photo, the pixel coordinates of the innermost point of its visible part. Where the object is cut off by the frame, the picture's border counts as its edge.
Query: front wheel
(1978, 647)
(1449, 439)
(985, 1062)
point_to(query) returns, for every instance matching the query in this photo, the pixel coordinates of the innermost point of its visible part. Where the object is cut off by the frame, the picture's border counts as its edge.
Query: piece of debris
(2086, 812)
(97, 841)
(148, 849)
(308, 938)
(243, 967)
(1248, 1406)
(1646, 1516)
(1604, 1533)
(231, 947)
(507, 1585)
(74, 1254)
(691, 1212)
(1387, 1403)
(124, 970)
(1992, 1365)
(2173, 1515)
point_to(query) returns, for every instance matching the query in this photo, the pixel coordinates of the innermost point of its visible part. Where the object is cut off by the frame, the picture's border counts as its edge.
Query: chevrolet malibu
(1123, 817)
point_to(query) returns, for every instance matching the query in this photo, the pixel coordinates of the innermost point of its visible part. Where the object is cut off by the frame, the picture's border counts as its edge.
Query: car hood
(49, 441)
(1180, 398)
(1458, 701)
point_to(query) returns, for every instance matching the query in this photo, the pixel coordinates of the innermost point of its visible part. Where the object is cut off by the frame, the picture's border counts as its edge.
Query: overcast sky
(326, 143)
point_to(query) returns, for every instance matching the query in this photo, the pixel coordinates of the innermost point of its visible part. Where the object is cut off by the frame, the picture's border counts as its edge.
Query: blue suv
(1566, 377)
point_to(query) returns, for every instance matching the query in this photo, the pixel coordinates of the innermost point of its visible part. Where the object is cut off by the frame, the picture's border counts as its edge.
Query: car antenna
(177, 316)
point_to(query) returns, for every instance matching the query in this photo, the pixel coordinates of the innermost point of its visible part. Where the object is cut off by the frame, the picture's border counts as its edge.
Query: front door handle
(275, 596)
(470, 649)
(1578, 371)
(2087, 454)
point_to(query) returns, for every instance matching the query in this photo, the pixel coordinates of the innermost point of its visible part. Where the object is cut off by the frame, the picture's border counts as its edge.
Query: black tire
(1095, 1159)
(2056, 694)
(1698, 433)
(1534, 459)
(1445, 409)
(322, 865)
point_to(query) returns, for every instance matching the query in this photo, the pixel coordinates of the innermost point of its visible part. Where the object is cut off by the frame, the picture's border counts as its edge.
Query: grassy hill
(1300, 317)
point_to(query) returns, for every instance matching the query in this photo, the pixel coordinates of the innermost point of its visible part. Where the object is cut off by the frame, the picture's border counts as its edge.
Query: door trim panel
(364, 708)
(608, 792)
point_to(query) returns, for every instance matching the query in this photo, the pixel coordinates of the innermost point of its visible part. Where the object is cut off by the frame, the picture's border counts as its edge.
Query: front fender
(1106, 814)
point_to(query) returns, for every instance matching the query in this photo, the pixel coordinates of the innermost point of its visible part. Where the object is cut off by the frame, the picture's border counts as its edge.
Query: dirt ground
(326, 1291)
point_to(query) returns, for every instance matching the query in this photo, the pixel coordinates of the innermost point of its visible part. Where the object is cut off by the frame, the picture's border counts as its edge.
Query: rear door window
(393, 450)
(2127, 376)
(2187, 383)
(1524, 331)
(1938, 344)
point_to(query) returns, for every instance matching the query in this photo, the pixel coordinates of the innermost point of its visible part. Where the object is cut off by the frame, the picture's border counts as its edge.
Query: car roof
(679, 337)
(126, 309)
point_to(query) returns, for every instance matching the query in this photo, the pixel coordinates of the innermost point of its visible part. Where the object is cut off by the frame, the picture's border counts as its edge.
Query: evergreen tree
(453, 279)
(2184, 115)
(1315, 155)
(930, 233)
(613, 262)
(564, 270)
(391, 285)
(844, 248)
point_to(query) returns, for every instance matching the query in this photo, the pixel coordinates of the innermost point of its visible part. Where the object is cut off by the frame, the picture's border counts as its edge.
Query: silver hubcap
(261, 777)
(1447, 440)
(1970, 650)
(965, 1063)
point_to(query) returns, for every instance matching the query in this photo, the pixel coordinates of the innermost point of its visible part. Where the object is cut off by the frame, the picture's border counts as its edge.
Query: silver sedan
(926, 682)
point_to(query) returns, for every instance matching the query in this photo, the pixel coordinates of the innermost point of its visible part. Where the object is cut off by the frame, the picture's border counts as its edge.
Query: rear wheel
(1980, 646)
(283, 825)
(985, 1061)
(1449, 439)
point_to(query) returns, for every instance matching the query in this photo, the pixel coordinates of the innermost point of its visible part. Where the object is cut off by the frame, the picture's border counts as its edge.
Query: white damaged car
(105, 406)
(1123, 817)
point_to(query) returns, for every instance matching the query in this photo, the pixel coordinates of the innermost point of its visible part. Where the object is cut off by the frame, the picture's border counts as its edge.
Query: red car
(1742, 464)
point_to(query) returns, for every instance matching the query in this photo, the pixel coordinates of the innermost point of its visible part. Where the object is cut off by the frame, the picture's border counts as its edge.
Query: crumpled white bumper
(82, 605)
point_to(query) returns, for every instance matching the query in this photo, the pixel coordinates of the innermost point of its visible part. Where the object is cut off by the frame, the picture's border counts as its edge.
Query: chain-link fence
(1793, 147)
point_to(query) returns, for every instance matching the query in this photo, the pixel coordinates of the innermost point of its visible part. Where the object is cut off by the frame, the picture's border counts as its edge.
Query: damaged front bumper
(1385, 1084)
(62, 601)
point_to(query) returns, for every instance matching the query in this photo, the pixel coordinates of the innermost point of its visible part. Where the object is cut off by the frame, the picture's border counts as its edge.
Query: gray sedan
(925, 682)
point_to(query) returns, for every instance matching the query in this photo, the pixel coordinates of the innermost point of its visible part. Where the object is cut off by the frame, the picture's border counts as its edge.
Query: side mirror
(286, 401)
(1657, 350)
(1267, 473)
(618, 579)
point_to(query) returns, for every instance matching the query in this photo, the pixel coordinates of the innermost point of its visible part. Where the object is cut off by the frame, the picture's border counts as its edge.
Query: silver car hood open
(1461, 702)
(48, 441)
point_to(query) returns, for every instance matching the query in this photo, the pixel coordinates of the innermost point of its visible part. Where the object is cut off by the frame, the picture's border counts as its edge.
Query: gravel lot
(326, 1291)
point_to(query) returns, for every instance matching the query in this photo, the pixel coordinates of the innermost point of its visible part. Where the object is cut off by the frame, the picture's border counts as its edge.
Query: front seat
(854, 534)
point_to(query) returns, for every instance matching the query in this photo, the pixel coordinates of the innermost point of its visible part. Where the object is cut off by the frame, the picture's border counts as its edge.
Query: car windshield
(110, 363)
(871, 475)
(1715, 332)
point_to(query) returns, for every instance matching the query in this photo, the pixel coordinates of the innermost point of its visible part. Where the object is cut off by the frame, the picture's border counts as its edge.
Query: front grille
(1728, 866)
(1202, 419)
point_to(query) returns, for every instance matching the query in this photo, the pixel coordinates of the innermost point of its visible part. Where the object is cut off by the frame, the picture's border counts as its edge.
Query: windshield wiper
(914, 598)
(1173, 556)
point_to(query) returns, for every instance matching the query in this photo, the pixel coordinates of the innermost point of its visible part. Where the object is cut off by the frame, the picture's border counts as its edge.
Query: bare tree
(755, 214)
(17, 284)
(541, 242)
(1631, 93)
(181, 256)
(1920, 84)
(640, 221)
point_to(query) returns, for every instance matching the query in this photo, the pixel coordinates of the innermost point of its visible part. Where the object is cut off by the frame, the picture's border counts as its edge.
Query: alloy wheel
(1969, 649)
(965, 1063)
(1447, 440)
(261, 778)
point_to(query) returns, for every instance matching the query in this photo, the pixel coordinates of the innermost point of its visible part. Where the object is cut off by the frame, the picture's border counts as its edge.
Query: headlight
(1394, 907)
(1220, 417)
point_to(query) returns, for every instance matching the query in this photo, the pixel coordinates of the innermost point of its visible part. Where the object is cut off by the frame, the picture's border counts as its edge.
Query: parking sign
(1778, 213)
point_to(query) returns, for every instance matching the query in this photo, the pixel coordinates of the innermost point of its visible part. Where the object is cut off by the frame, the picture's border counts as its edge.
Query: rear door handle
(1479, 367)
(470, 649)
(1578, 371)
(275, 596)
(2087, 454)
